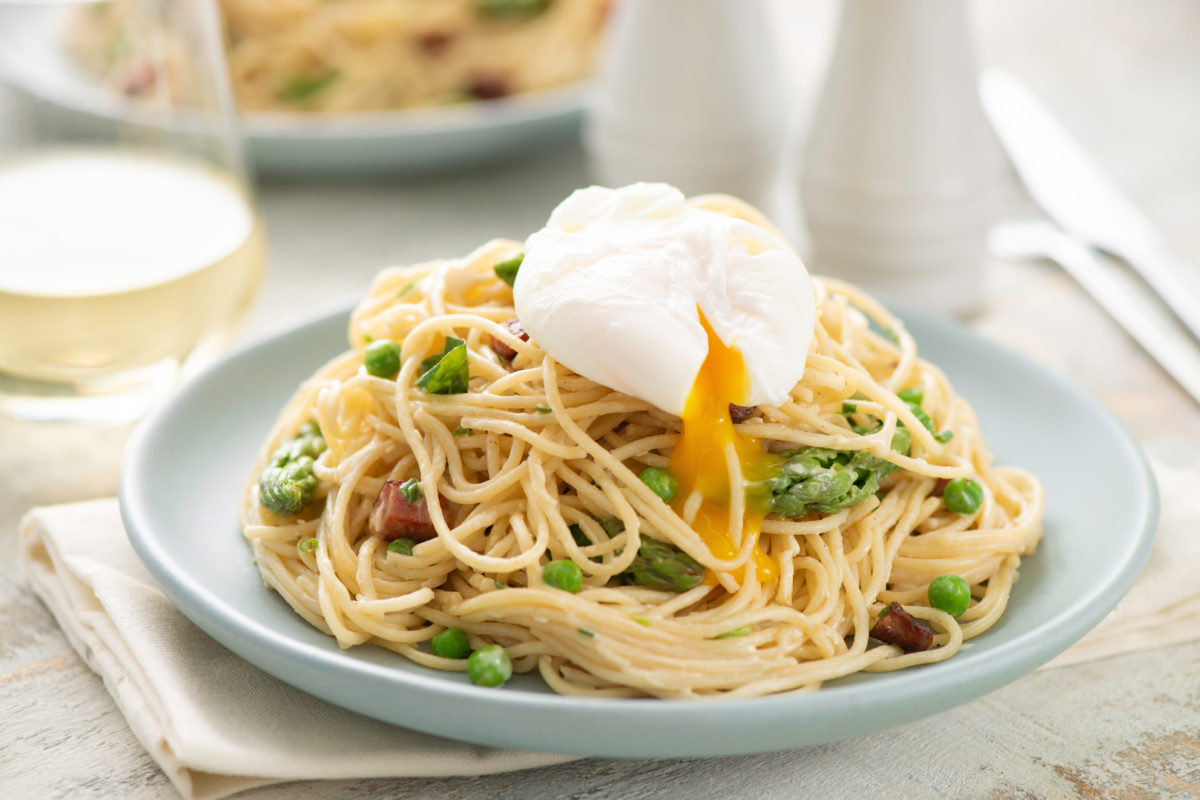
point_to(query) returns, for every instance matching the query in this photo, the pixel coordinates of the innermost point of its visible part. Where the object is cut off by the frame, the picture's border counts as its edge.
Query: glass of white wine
(129, 240)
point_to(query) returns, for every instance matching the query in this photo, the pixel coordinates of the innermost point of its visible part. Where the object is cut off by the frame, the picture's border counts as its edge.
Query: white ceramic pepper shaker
(902, 176)
(689, 93)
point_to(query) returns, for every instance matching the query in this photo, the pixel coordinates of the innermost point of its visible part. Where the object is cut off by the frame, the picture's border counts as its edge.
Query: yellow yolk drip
(699, 459)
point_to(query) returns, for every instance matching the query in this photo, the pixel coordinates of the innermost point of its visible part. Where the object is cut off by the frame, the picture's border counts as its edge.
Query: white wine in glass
(130, 245)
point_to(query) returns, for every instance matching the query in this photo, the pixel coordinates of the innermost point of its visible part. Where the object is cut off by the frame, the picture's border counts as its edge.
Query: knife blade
(1076, 195)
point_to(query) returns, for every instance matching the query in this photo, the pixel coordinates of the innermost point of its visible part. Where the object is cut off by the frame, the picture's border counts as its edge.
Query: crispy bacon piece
(902, 629)
(435, 43)
(139, 78)
(514, 327)
(395, 517)
(487, 87)
(740, 413)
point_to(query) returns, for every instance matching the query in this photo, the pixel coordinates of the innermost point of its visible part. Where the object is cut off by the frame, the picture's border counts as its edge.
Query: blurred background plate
(404, 141)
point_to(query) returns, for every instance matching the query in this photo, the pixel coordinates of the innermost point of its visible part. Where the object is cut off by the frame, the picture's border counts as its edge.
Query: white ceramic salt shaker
(901, 176)
(689, 93)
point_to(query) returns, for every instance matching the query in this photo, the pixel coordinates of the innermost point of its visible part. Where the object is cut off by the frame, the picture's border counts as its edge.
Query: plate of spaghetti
(762, 515)
(356, 85)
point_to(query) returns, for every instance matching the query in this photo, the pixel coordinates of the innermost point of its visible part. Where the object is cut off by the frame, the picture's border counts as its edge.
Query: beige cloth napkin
(218, 725)
(215, 724)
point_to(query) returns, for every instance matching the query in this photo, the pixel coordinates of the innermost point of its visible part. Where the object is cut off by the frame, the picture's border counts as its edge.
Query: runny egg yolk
(700, 460)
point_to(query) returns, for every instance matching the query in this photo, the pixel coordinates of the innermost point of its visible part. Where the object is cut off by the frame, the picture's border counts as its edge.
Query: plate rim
(263, 646)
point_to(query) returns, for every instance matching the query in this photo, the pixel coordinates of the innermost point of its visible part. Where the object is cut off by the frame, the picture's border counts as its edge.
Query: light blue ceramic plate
(186, 466)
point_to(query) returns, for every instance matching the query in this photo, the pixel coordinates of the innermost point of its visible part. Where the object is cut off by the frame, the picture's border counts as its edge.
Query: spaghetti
(537, 464)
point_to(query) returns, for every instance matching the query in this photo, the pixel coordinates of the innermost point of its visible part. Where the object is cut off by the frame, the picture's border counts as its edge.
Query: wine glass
(130, 244)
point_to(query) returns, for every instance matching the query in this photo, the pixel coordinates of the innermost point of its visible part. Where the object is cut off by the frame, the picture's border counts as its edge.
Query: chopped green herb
(301, 88)
(447, 373)
(402, 546)
(499, 585)
(309, 545)
(462, 431)
(408, 287)
(891, 335)
(368, 338)
(429, 361)
(944, 436)
(912, 396)
(643, 621)
(541, 409)
(736, 632)
(586, 632)
(507, 270)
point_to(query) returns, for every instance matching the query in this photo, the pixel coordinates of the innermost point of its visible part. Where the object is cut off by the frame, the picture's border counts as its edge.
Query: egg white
(613, 287)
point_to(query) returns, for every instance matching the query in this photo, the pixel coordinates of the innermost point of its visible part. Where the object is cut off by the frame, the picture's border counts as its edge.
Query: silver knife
(1076, 195)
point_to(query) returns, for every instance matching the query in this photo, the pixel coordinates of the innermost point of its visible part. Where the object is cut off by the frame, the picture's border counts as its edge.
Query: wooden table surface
(1123, 75)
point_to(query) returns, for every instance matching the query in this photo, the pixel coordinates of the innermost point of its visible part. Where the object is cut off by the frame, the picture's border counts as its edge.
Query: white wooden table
(1124, 75)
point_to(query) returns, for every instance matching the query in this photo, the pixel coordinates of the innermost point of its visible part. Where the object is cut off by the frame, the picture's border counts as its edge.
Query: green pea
(565, 575)
(451, 643)
(661, 482)
(402, 546)
(489, 666)
(950, 593)
(410, 490)
(963, 496)
(382, 358)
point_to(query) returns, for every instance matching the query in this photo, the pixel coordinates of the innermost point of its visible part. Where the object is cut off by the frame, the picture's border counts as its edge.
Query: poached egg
(685, 308)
